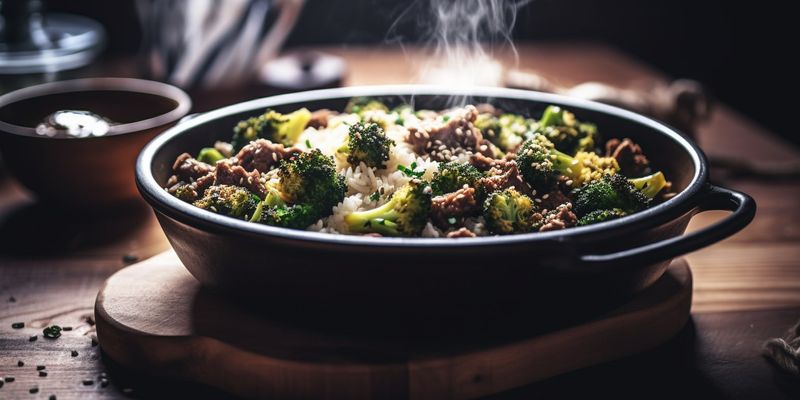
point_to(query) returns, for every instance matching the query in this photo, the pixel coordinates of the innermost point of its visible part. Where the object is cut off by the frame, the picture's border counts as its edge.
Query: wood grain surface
(53, 265)
(154, 316)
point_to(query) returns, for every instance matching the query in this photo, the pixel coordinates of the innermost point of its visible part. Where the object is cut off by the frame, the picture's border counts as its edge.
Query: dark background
(745, 52)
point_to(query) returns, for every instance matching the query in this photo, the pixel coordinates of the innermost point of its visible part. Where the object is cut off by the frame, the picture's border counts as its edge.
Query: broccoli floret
(650, 185)
(297, 216)
(358, 105)
(233, 201)
(616, 191)
(507, 131)
(367, 143)
(209, 155)
(598, 216)
(271, 125)
(405, 214)
(452, 176)
(311, 178)
(508, 211)
(541, 164)
(567, 133)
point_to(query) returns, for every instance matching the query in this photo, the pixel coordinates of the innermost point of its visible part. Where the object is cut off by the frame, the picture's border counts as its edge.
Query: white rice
(363, 181)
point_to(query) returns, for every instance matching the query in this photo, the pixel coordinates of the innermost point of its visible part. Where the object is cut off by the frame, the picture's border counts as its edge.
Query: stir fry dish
(379, 171)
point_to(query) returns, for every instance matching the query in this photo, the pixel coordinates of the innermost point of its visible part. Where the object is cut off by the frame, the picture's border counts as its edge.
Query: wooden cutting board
(155, 317)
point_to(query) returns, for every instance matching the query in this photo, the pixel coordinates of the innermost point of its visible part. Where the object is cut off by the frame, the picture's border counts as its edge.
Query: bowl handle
(714, 198)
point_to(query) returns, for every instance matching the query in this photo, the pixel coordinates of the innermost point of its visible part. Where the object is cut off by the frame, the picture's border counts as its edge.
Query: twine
(785, 351)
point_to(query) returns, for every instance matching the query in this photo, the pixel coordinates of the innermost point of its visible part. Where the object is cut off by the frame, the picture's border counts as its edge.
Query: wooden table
(747, 288)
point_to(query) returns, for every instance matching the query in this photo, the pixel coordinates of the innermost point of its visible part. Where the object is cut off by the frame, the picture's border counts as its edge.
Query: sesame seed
(483, 147)
(274, 156)
(537, 200)
(546, 196)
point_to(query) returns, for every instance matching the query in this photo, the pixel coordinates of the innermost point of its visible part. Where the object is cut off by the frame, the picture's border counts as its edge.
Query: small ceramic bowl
(90, 171)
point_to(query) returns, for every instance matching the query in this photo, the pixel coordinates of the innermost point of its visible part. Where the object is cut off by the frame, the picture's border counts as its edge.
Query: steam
(463, 36)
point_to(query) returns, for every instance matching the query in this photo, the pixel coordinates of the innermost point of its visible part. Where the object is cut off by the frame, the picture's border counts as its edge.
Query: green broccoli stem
(565, 164)
(650, 185)
(374, 220)
(209, 155)
(552, 116)
(384, 227)
(257, 213)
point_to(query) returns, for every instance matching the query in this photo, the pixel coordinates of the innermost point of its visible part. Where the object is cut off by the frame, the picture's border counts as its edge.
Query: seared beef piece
(188, 169)
(319, 118)
(560, 218)
(443, 142)
(487, 148)
(190, 179)
(461, 203)
(263, 155)
(227, 174)
(461, 233)
(632, 162)
(552, 199)
(486, 108)
(482, 162)
(190, 191)
(504, 175)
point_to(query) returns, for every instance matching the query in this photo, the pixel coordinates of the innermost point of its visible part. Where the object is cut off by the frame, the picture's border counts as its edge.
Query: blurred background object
(37, 47)
(208, 43)
(736, 49)
(224, 52)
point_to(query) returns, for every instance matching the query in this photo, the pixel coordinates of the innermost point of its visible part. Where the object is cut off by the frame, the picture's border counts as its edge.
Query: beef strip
(552, 199)
(263, 155)
(459, 204)
(445, 141)
(560, 218)
(190, 178)
(228, 174)
(187, 169)
(461, 233)
(632, 162)
(319, 118)
(503, 176)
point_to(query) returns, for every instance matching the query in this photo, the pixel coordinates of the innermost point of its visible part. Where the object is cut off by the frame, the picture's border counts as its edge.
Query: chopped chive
(33, 390)
(18, 325)
(88, 382)
(9, 379)
(66, 328)
(33, 338)
(52, 332)
(43, 374)
(40, 367)
(20, 363)
(74, 353)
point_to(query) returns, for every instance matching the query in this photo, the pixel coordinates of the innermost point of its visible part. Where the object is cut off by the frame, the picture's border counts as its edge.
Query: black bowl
(611, 259)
